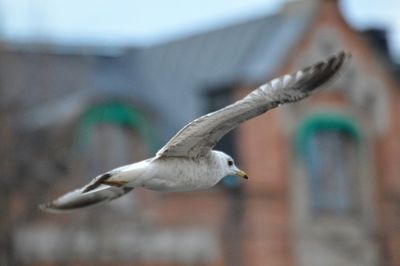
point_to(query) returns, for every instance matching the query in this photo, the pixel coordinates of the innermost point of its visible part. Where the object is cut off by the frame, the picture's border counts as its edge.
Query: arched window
(113, 134)
(329, 146)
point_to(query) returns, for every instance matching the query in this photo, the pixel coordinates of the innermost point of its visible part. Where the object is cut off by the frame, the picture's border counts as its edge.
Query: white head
(228, 165)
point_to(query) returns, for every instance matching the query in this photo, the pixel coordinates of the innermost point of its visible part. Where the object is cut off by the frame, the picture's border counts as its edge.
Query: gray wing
(200, 136)
(79, 199)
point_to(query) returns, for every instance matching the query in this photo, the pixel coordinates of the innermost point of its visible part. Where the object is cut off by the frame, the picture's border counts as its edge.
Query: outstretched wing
(200, 136)
(79, 199)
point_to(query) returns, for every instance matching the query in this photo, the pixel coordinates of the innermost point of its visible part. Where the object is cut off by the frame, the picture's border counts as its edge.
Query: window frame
(117, 113)
(326, 122)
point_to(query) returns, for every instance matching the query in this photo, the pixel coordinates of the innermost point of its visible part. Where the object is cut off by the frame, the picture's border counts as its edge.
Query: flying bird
(188, 162)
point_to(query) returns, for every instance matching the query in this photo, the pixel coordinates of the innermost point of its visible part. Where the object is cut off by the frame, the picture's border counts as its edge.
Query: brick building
(323, 186)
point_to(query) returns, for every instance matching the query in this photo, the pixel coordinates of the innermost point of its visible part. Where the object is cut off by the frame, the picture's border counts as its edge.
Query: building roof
(246, 51)
(249, 52)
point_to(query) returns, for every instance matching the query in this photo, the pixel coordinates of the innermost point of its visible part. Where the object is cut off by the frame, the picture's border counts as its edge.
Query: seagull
(188, 162)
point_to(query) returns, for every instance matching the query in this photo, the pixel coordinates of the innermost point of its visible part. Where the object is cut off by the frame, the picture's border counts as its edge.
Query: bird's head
(229, 167)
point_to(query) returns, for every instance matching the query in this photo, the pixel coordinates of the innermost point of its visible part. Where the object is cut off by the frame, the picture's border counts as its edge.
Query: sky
(132, 22)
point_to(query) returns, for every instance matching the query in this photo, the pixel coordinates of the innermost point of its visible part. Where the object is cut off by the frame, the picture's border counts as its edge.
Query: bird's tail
(79, 199)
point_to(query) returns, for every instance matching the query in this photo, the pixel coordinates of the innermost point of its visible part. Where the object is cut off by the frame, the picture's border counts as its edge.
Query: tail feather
(79, 199)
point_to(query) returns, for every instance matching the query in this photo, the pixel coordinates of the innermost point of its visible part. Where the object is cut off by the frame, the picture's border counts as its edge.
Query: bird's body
(172, 174)
(188, 162)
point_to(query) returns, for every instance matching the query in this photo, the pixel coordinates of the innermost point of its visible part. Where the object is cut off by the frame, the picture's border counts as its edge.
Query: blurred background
(86, 86)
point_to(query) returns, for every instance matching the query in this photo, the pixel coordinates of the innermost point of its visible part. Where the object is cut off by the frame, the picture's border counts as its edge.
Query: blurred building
(324, 183)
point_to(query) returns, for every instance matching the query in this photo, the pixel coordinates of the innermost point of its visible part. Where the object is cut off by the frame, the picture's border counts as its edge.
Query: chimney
(377, 37)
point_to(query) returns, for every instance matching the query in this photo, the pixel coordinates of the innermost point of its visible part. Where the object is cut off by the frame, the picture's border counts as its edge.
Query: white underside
(170, 174)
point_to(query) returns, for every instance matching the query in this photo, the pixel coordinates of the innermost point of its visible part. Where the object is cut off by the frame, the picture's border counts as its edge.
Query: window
(332, 170)
(113, 134)
(330, 155)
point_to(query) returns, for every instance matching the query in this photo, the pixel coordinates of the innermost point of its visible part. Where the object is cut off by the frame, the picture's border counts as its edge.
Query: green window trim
(325, 121)
(117, 113)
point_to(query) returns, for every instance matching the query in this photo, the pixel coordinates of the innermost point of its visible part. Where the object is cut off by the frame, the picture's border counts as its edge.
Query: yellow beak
(242, 174)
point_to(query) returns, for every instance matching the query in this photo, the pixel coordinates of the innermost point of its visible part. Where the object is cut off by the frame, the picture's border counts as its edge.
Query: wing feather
(198, 137)
(79, 199)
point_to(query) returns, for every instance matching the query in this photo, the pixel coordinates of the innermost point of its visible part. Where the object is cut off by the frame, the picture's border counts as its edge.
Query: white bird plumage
(188, 161)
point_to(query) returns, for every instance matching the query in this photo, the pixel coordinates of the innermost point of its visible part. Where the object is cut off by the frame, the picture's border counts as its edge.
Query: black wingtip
(323, 73)
(49, 207)
(342, 57)
(75, 199)
(97, 182)
(339, 60)
(91, 187)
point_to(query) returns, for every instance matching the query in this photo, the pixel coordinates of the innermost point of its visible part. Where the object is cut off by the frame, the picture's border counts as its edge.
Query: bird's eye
(230, 162)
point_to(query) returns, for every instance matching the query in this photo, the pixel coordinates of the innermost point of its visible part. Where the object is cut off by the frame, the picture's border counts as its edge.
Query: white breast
(183, 174)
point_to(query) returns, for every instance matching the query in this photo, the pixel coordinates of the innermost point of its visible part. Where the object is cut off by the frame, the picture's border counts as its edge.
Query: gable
(366, 87)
